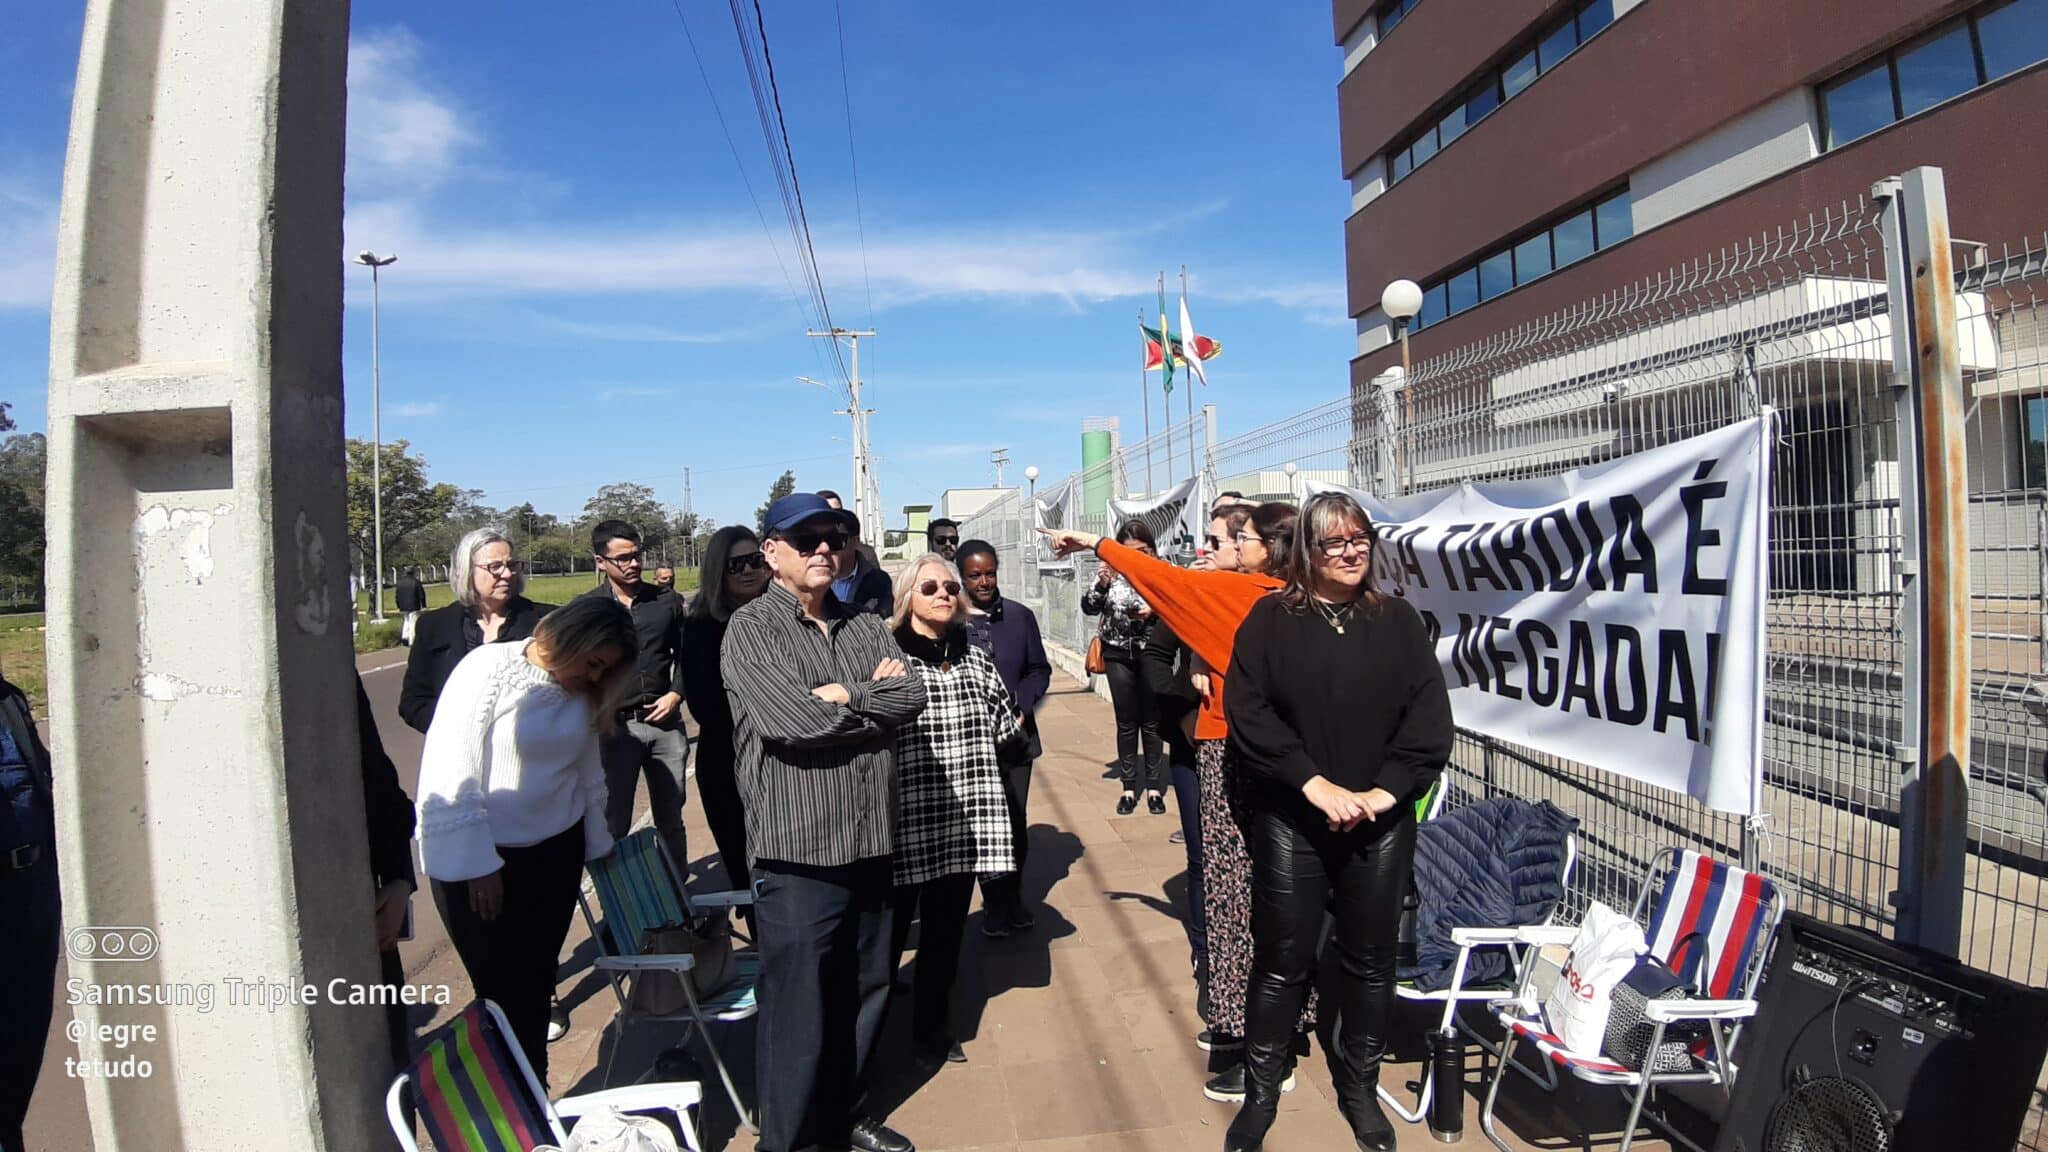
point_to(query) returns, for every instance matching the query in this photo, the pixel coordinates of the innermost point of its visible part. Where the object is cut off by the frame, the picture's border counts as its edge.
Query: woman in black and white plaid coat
(953, 823)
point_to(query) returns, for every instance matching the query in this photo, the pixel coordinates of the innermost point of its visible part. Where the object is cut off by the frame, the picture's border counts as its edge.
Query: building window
(1540, 54)
(1392, 13)
(2012, 36)
(1558, 245)
(2034, 448)
(1993, 41)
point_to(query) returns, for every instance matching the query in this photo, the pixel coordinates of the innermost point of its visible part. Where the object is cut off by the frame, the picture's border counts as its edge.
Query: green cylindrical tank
(1095, 484)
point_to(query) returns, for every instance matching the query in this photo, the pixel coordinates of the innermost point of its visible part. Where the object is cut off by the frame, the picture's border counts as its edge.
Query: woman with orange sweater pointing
(1205, 608)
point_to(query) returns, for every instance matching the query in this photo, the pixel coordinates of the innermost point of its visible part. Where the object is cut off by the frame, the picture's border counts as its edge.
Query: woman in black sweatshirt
(1338, 710)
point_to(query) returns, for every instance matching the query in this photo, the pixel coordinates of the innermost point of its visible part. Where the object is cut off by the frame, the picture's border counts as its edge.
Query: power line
(704, 75)
(853, 159)
(775, 130)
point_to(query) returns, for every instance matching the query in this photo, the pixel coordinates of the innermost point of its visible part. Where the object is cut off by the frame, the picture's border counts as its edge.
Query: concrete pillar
(202, 709)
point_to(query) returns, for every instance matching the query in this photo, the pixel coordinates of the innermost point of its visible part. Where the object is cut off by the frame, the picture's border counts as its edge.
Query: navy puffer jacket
(1494, 864)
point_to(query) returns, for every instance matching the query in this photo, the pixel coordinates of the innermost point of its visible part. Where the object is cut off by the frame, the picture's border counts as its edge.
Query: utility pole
(865, 489)
(689, 523)
(375, 263)
(999, 457)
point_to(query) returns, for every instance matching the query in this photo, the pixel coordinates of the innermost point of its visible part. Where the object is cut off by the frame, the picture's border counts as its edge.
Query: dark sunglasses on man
(806, 542)
(945, 541)
(748, 563)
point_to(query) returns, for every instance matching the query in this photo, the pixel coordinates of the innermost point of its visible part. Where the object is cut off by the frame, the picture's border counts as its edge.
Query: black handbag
(1629, 1028)
(708, 942)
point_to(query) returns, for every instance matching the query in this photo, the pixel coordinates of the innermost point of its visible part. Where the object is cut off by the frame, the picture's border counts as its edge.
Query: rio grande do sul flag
(1205, 349)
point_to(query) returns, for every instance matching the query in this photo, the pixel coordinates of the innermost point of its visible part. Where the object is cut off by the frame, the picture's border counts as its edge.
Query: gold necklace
(1335, 617)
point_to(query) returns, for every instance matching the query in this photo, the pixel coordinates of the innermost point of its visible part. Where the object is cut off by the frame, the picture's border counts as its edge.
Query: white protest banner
(1050, 511)
(1172, 517)
(1613, 614)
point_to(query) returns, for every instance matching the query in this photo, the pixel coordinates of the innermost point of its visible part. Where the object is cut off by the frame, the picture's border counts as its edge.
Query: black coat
(440, 641)
(387, 810)
(412, 595)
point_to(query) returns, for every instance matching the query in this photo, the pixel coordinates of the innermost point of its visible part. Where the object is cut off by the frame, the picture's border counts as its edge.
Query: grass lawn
(542, 589)
(21, 656)
(21, 634)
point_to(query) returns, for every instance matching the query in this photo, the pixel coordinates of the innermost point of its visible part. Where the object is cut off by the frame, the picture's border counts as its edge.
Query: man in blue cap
(818, 690)
(29, 908)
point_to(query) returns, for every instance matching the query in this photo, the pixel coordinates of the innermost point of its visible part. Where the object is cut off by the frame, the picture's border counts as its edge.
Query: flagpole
(1145, 393)
(1188, 342)
(1166, 375)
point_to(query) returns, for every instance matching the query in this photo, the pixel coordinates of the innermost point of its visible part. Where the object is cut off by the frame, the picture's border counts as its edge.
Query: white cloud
(638, 333)
(418, 409)
(568, 258)
(404, 135)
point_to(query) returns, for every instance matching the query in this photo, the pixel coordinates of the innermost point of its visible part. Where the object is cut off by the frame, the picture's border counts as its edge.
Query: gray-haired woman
(488, 609)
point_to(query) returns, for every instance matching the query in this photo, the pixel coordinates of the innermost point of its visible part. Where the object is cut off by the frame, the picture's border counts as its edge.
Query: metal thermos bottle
(1447, 1092)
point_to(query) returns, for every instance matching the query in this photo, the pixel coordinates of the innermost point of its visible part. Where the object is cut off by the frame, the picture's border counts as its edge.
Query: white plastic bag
(1602, 955)
(608, 1130)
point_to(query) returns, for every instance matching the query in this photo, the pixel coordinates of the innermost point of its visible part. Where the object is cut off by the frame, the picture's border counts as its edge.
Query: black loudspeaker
(1863, 1045)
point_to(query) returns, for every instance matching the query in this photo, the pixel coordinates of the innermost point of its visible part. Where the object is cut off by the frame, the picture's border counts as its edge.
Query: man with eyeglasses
(818, 690)
(860, 581)
(944, 536)
(649, 739)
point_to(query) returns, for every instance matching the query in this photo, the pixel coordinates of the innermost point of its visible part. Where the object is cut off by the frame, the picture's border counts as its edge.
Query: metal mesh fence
(1799, 321)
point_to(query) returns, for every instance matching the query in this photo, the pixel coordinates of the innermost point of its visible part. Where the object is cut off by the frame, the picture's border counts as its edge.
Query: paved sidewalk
(1079, 1035)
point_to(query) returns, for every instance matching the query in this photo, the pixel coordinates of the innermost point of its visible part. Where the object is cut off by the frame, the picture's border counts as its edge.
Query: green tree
(410, 501)
(434, 543)
(22, 467)
(633, 503)
(783, 486)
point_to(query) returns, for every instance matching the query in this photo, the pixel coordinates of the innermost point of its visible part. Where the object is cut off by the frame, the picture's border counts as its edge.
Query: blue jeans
(1187, 795)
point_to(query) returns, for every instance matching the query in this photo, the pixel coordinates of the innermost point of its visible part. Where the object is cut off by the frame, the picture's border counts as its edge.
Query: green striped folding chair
(639, 890)
(475, 1092)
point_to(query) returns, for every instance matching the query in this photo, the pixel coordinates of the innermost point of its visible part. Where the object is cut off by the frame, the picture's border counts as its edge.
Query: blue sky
(585, 294)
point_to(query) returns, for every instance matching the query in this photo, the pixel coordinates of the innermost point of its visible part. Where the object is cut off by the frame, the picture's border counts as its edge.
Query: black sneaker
(870, 1135)
(1127, 804)
(1210, 1040)
(1155, 804)
(1021, 919)
(1227, 1087)
(1177, 836)
(939, 1050)
(994, 926)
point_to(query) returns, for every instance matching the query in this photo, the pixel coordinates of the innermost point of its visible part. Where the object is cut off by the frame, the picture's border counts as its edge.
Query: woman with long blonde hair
(511, 801)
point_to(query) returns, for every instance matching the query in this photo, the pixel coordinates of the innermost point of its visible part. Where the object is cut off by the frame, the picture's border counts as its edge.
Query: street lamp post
(1292, 492)
(1031, 526)
(376, 262)
(1402, 302)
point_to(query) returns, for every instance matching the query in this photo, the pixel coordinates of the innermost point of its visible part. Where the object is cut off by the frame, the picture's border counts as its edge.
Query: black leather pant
(1362, 876)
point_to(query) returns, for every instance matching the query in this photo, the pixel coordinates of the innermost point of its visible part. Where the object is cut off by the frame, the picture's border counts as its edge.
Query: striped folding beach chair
(640, 890)
(1700, 902)
(475, 1092)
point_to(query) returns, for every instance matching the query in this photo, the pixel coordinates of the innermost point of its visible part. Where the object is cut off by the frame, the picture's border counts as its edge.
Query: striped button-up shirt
(818, 778)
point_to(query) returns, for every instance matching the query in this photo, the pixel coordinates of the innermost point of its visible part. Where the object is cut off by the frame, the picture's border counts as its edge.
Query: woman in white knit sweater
(511, 801)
